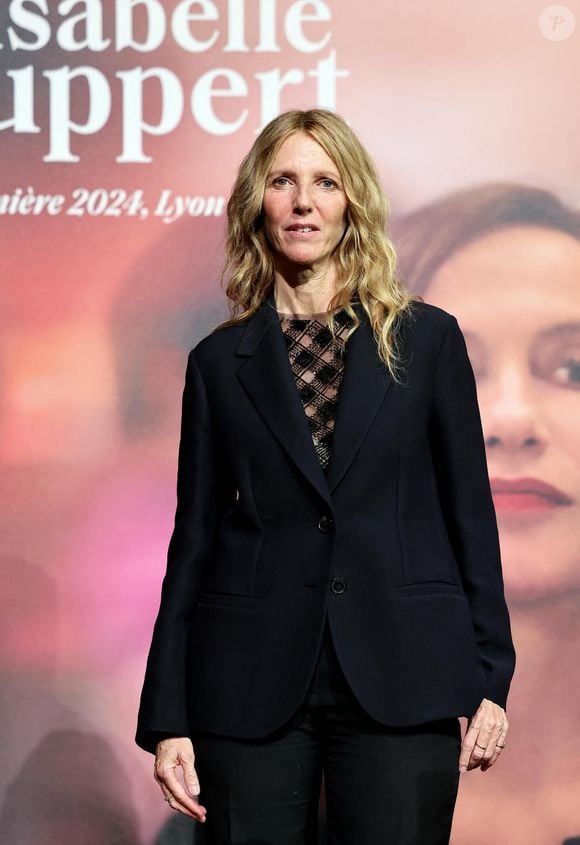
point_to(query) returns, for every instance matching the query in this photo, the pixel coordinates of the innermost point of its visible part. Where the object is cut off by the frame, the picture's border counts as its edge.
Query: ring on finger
(480, 746)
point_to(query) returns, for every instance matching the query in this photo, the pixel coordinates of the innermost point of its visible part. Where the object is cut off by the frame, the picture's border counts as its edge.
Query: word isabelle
(217, 99)
(117, 202)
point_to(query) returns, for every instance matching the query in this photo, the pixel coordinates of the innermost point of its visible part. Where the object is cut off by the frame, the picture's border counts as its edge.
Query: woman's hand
(484, 738)
(169, 754)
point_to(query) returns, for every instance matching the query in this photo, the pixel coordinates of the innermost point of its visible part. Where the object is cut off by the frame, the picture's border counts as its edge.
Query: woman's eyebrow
(328, 172)
(317, 175)
(562, 330)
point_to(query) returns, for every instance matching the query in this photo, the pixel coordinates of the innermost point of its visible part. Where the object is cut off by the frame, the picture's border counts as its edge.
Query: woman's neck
(304, 290)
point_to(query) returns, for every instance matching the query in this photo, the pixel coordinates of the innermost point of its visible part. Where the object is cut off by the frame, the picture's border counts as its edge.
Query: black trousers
(383, 785)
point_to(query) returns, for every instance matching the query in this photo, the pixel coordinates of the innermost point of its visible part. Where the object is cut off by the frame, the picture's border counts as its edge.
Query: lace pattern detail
(317, 364)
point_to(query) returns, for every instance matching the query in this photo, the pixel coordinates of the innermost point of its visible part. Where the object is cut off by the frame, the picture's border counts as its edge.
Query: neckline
(314, 315)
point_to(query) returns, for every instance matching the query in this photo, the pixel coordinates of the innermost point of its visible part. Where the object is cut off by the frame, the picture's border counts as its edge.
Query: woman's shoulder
(218, 345)
(429, 311)
(218, 338)
(428, 319)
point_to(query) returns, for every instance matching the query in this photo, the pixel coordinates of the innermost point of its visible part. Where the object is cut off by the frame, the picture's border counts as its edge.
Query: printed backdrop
(121, 128)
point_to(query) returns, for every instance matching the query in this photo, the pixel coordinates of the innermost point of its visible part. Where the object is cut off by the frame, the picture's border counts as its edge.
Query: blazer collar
(267, 377)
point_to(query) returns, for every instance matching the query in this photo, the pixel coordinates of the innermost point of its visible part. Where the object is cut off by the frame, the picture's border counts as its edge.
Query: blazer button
(325, 523)
(338, 586)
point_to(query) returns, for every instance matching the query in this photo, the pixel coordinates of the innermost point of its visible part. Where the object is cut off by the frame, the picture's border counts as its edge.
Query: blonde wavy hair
(365, 257)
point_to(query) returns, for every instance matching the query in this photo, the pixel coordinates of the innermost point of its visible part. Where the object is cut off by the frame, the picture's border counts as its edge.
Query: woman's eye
(328, 183)
(280, 180)
(557, 359)
(569, 372)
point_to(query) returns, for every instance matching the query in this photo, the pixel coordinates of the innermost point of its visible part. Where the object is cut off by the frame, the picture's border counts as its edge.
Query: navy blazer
(397, 542)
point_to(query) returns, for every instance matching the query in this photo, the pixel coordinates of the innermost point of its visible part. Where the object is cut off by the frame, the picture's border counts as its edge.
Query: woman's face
(516, 296)
(304, 205)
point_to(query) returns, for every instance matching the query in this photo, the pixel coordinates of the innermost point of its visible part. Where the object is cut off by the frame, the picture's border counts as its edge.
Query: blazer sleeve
(460, 463)
(162, 709)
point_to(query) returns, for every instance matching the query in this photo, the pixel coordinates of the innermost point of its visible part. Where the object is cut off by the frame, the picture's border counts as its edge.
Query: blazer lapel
(365, 381)
(269, 382)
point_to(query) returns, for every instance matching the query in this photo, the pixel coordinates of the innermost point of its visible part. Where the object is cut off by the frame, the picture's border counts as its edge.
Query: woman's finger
(490, 745)
(177, 797)
(498, 739)
(480, 746)
(499, 746)
(190, 776)
(171, 802)
(467, 746)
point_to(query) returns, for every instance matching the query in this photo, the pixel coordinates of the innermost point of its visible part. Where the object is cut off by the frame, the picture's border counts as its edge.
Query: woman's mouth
(519, 495)
(302, 231)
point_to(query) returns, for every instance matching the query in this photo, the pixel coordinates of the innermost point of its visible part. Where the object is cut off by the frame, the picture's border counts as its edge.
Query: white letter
(23, 87)
(327, 75)
(92, 17)
(133, 124)
(203, 93)
(267, 28)
(14, 200)
(26, 204)
(296, 16)
(271, 84)
(155, 25)
(31, 22)
(182, 31)
(99, 101)
(236, 27)
(237, 32)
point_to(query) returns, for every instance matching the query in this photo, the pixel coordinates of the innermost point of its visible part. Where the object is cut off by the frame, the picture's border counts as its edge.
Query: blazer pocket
(429, 588)
(229, 600)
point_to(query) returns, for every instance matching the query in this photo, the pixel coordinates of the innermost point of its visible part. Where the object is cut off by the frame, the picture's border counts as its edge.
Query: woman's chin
(303, 255)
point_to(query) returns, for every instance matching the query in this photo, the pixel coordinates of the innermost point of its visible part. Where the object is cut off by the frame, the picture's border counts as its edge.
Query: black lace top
(317, 364)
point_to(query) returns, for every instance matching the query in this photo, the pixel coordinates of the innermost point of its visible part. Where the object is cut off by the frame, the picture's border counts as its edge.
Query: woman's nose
(512, 415)
(302, 199)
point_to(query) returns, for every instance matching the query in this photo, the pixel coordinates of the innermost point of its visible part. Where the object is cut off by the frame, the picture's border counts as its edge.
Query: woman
(333, 599)
(507, 258)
